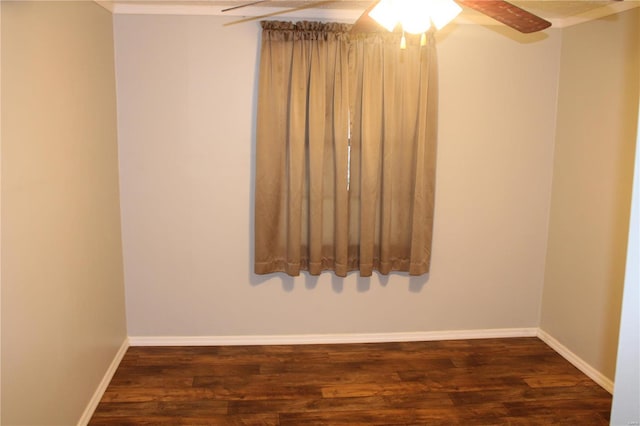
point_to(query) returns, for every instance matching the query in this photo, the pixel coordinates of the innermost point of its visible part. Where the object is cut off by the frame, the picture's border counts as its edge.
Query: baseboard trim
(577, 362)
(104, 383)
(310, 339)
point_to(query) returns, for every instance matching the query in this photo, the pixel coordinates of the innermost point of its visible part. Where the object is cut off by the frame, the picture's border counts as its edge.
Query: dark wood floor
(519, 381)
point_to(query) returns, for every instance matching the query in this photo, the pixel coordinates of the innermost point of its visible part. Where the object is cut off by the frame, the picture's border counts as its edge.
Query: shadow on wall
(363, 284)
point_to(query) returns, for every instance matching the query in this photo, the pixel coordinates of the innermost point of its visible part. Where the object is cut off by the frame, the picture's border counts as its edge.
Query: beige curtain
(346, 147)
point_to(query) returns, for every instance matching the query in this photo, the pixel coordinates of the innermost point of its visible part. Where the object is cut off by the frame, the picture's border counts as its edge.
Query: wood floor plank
(141, 419)
(311, 405)
(373, 417)
(518, 381)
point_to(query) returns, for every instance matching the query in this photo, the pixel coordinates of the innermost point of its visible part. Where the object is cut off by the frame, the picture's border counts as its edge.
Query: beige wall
(186, 115)
(595, 140)
(63, 316)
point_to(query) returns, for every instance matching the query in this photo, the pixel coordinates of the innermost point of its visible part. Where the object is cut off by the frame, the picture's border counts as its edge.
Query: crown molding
(106, 4)
(254, 12)
(597, 13)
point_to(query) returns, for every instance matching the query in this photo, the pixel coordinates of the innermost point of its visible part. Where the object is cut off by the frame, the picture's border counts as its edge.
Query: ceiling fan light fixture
(386, 13)
(415, 16)
(443, 12)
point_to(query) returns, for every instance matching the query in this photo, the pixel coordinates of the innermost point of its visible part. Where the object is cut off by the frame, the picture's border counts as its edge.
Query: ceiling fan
(500, 10)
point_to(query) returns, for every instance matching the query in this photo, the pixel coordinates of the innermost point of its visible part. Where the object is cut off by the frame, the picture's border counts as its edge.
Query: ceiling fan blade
(509, 14)
(277, 12)
(365, 23)
(243, 5)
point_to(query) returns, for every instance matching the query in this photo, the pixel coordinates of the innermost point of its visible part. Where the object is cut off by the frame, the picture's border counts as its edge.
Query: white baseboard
(310, 339)
(104, 383)
(577, 362)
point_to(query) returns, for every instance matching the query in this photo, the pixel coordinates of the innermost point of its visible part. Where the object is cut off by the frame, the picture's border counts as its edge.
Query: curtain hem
(341, 270)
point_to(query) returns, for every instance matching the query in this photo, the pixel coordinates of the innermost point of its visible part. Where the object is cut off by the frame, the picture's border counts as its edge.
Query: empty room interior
(128, 188)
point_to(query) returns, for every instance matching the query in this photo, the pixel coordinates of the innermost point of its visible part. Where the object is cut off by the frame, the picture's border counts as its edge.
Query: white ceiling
(561, 13)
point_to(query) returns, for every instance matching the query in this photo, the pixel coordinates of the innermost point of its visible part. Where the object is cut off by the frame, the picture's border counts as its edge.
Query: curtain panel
(345, 151)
